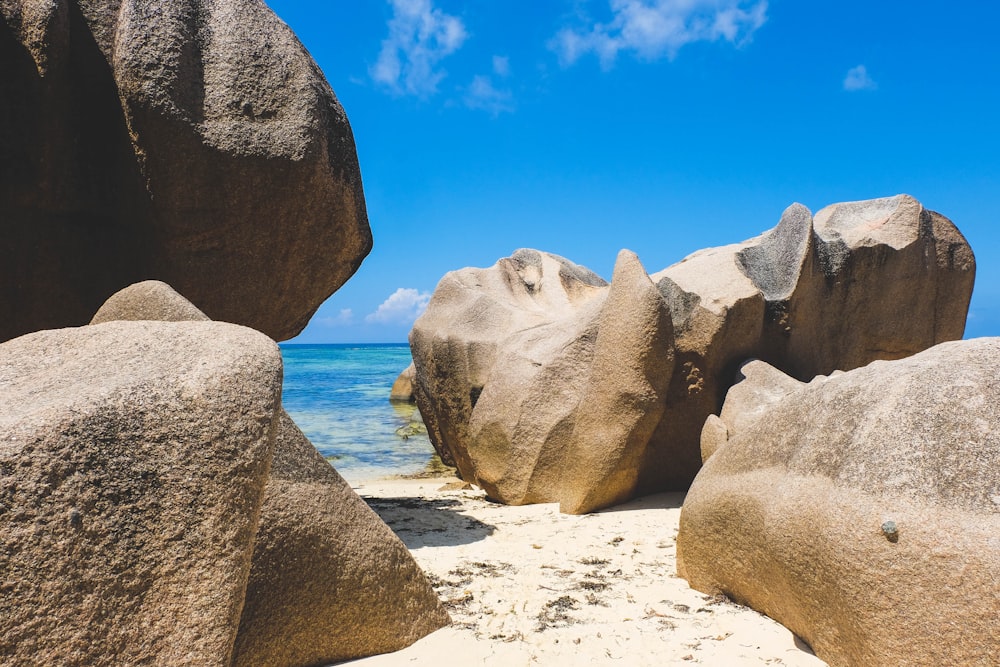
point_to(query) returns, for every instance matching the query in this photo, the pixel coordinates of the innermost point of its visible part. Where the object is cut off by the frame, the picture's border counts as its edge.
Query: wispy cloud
(483, 94)
(501, 66)
(654, 29)
(402, 307)
(420, 36)
(858, 79)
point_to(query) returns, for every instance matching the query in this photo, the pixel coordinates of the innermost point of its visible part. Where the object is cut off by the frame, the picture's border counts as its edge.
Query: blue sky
(580, 127)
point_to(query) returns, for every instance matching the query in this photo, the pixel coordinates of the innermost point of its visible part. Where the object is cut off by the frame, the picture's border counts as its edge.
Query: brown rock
(133, 459)
(148, 300)
(876, 279)
(559, 404)
(329, 580)
(402, 388)
(196, 143)
(862, 511)
(867, 280)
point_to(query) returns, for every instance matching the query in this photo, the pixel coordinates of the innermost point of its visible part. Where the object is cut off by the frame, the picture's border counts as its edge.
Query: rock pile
(193, 142)
(158, 505)
(860, 510)
(515, 381)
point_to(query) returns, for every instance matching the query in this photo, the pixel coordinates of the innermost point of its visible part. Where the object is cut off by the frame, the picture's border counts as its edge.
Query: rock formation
(563, 379)
(133, 461)
(329, 581)
(194, 142)
(880, 279)
(861, 510)
(402, 388)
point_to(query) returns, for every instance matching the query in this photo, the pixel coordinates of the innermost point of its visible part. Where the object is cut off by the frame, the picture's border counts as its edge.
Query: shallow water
(339, 397)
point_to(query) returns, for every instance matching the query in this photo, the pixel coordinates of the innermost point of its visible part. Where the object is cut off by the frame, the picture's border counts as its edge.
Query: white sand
(530, 586)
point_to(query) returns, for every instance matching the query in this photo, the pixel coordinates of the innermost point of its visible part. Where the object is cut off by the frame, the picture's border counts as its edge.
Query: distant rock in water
(133, 462)
(329, 580)
(862, 511)
(194, 142)
(402, 388)
(501, 354)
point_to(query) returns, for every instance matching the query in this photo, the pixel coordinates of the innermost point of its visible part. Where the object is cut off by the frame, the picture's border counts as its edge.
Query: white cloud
(420, 36)
(344, 317)
(858, 79)
(653, 29)
(501, 66)
(402, 307)
(482, 94)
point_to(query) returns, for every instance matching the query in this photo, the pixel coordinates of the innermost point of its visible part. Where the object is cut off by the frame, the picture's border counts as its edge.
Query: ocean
(339, 397)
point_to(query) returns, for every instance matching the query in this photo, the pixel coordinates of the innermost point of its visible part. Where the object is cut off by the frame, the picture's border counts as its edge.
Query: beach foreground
(527, 585)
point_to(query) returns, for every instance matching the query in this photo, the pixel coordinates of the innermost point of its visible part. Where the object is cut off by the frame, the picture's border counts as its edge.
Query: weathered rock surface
(329, 580)
(862, 511)
(402, 388)
(195, 142)
(148, 300)
(562, 380)
(133, 461)
(877, 279)
(880, 279)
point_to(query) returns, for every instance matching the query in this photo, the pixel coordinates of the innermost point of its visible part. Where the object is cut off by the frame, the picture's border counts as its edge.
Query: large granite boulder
(133, 462)
(574, 386)
(862, 511)
(877, 279)
(193, 142)
(329, 580)
(880, 279)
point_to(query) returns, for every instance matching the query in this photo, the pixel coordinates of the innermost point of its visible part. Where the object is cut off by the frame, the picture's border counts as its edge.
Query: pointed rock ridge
(195, 142)
(861, 511)
(625, 392)
(775, 262)
(133, 461)
(328, 581)
(863, 281)
(888, 279)
(561, 408)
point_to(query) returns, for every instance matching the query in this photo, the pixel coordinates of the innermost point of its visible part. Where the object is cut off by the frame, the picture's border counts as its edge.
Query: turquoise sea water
(339, 397)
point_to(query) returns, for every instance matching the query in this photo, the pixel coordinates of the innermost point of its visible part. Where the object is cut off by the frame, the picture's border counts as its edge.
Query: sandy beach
(530, 586)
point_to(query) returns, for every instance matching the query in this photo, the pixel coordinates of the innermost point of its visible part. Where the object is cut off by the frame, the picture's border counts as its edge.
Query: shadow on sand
(436, 522)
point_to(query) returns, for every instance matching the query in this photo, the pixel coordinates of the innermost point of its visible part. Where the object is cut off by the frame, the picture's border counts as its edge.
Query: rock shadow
(662, 500)
(429, 522)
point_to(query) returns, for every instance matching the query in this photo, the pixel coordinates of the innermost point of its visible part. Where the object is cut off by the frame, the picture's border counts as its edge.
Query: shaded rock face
(862, 510)
(880, 279)
(329, 580)
(133, 461)
(552, 389)
(193, 142)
